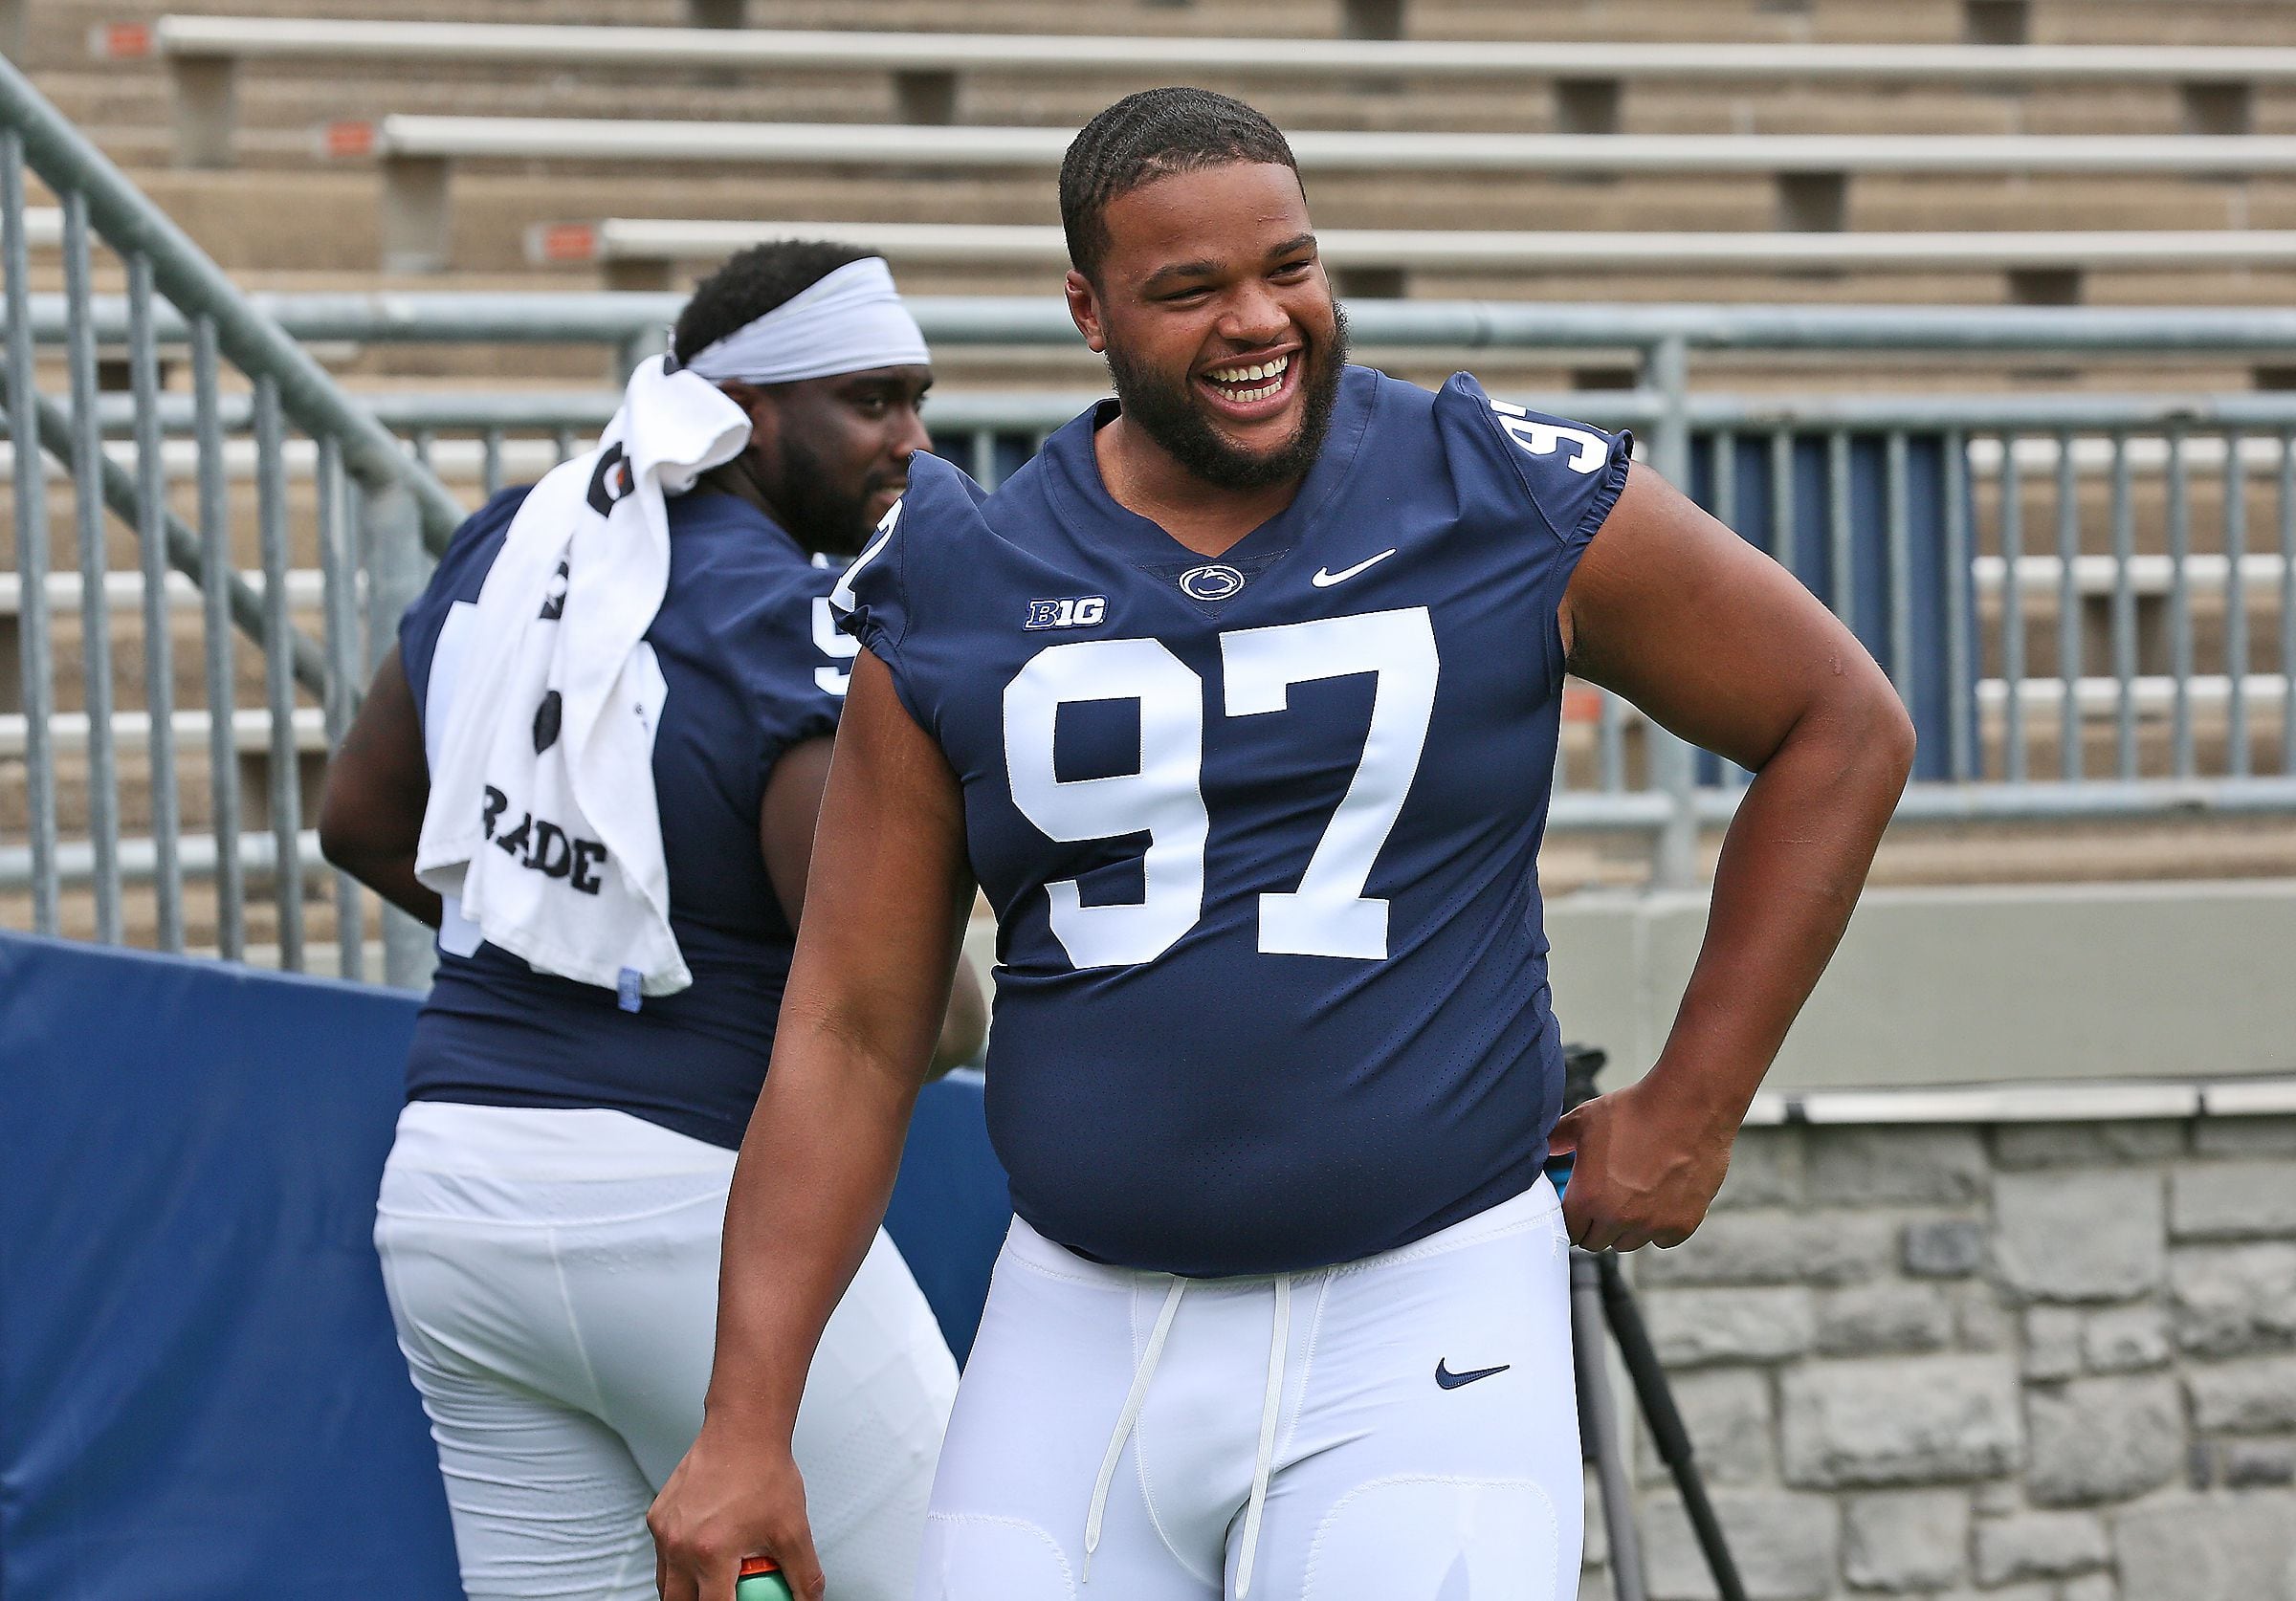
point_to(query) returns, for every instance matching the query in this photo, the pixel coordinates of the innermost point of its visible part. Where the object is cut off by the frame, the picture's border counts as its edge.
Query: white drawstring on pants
(1136, 1399)
(1263, 1465)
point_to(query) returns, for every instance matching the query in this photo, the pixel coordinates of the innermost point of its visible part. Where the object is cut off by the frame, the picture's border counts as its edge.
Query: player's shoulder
(732, 555)
(742, 590)
(928, 554)
(471, 548)
(1508, 458)
(461, 571)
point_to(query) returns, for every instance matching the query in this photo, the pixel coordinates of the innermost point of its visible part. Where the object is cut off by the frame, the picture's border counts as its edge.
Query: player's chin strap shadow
(1263, 1465)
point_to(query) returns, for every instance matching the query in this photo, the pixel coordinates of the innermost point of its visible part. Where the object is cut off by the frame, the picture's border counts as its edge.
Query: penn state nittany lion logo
(1215, 580)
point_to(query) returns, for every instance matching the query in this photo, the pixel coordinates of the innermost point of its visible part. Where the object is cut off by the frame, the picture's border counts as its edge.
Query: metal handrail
(400, 505)
(193, 284)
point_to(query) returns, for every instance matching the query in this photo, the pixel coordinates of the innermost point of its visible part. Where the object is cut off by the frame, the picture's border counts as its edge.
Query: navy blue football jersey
(752, 665)
(1261, 831)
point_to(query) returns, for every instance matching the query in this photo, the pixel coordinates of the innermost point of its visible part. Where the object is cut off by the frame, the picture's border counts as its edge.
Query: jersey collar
(1098, 521)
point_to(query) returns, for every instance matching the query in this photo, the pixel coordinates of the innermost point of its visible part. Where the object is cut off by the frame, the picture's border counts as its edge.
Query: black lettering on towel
(542, 846)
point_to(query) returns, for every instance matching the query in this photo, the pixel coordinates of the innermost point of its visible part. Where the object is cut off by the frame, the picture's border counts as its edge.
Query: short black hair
(1152, 135)
(751, 283)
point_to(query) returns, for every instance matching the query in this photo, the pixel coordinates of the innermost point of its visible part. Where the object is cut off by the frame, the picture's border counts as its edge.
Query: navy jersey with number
(752, 665)
(1260, 831)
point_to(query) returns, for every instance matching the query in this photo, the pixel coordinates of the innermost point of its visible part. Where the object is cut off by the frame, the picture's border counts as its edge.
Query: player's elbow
(1881, 731)
(357, 832)
(338, 832)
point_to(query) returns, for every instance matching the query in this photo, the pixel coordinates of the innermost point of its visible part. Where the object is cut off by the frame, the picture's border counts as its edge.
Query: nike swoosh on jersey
(1325, 579)
(1449, 1380)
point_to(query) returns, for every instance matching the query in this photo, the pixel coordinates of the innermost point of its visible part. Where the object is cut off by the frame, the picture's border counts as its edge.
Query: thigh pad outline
(1445, 1537)
(971, 1556)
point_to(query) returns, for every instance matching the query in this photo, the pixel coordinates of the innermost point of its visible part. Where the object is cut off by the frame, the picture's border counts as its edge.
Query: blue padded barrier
(200, 1394)
(951, 1205)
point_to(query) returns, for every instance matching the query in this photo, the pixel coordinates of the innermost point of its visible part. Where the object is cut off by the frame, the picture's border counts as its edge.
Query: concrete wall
(2024, 1362)
(1960, 986)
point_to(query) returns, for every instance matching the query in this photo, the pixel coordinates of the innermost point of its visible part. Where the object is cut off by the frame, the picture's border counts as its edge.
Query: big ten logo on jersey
(542, 846)
(1082, 611)
(1542, 437)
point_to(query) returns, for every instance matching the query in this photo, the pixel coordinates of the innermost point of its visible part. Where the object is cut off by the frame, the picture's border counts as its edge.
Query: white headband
(849, 321)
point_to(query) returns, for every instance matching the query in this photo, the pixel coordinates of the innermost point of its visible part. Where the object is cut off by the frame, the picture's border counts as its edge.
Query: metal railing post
(643, 345)
(1673, 763)
(392, 539)
(187, 278)
(29, 468)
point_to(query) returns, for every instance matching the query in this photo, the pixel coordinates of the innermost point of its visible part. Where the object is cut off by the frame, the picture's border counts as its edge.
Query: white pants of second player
(1405, 1425)
(554, 1279)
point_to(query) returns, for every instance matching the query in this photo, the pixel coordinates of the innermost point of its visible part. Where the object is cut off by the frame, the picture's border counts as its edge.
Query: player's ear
(764, 414)
(1084, 310)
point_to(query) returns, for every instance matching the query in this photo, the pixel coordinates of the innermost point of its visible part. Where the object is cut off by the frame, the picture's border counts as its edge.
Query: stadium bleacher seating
(644, 252)
(1683, 89)
(1811, 173)
(203, 55)
(326, 228)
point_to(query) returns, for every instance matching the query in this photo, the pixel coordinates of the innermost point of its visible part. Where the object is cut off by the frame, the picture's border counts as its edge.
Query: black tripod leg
(1599, 1424)
(1673, 1440)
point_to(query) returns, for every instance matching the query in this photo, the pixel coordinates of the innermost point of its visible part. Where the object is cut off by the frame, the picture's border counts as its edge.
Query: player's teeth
(1245, 374)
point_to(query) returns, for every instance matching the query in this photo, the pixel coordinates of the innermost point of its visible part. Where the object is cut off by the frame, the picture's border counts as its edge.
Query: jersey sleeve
(893, 586)
(460, 575)
(1539, 486)
(795, 664)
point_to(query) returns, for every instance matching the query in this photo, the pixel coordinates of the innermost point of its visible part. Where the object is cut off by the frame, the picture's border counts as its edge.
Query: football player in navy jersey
(550, 1214)
(1240, 704)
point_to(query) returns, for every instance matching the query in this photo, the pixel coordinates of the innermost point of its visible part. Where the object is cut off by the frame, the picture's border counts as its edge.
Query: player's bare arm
(867, 992)
(786, 826)
(1721, 646)
(371, 816)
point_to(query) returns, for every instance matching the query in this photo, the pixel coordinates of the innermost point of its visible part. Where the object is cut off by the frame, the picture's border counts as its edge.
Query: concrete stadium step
(55, 31)
(280, 126)
(273, 99)
(329, 220)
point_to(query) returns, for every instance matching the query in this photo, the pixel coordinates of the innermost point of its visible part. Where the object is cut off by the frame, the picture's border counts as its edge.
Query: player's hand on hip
(1643, 1171)
(731, 1497)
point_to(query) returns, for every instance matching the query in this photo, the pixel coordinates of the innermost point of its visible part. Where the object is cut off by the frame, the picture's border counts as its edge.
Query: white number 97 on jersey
(1328, 914)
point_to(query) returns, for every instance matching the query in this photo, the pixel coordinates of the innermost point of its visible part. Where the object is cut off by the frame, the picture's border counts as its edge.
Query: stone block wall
(2024, 1362)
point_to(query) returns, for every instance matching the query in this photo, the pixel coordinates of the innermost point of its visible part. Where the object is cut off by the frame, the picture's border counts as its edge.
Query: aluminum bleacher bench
(43, 226)
(1811, 172)
(250, 731)
(202, 55)
(642, 252)
(123, 594)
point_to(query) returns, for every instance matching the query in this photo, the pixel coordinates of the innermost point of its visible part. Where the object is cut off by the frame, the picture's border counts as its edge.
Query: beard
(818, 517)
(1169, 413)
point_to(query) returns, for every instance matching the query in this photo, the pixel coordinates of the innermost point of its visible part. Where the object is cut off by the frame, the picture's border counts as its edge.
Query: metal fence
(2089, 602)
(125, 785)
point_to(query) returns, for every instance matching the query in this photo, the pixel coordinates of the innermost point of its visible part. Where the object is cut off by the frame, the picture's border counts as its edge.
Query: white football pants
(554, 1279)
(1402, 1426)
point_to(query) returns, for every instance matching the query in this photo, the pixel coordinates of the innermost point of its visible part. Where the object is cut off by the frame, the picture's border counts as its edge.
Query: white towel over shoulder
(543, 818)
